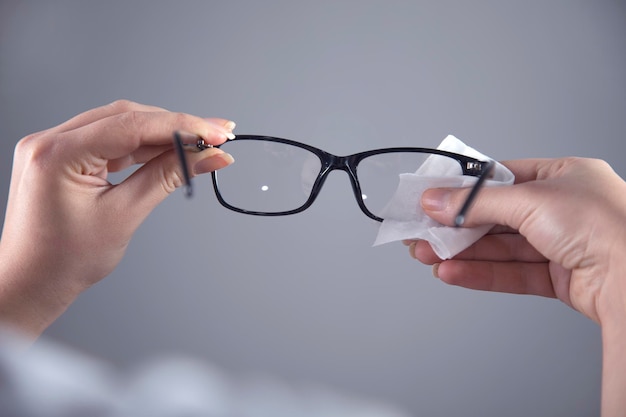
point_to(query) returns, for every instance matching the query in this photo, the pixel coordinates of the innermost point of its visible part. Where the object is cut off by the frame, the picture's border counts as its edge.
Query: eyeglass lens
(379, 174)
(269, 177)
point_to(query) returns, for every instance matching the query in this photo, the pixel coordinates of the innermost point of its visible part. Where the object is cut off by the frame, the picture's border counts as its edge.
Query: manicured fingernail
(229, 126)
(435, 199)
(436, 270)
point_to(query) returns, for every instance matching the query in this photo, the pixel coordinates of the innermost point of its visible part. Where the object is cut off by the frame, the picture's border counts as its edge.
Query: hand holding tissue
(404, 218)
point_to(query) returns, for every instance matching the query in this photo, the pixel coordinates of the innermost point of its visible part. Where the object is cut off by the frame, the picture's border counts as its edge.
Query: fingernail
(435, 199)
(227, 127)
(228, 158)
(412, 249)
(436, 270)
(230, 125)
(213, 163)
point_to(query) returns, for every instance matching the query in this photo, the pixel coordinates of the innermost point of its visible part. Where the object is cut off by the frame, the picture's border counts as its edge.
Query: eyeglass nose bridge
(347, 164)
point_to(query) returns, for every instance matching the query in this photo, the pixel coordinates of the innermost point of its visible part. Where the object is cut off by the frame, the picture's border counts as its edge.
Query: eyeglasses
(277, 177)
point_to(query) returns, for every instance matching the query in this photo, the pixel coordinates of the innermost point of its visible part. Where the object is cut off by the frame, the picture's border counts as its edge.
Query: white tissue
(404, 217)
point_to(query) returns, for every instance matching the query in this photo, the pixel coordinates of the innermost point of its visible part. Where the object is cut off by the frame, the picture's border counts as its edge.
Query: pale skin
(560, 232)
(560, 229)
(66, 227)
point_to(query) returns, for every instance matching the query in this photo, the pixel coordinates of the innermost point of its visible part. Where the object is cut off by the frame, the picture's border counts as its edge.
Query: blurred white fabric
(404, 217)
(49, 380)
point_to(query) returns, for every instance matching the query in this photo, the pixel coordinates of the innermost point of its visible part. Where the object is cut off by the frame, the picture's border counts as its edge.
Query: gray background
(306, 297)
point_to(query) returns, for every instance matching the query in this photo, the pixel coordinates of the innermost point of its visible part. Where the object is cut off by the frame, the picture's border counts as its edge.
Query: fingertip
(423, 252)
(220, 122)
(213, 162)
(412, 249)
(224, 127)
(436, 270)
(440, 204)
(230, 125)
(227, 158)
(435, 199)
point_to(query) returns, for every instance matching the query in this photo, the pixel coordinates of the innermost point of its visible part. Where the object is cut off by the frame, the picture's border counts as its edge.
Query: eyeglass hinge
(474, 167)
(202, 145)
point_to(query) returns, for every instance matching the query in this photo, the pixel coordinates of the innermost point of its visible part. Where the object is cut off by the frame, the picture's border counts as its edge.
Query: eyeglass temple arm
(460, 217)
(180, 147)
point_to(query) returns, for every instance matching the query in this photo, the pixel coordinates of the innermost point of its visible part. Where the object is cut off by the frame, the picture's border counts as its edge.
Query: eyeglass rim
(469, 165)
(357, 157)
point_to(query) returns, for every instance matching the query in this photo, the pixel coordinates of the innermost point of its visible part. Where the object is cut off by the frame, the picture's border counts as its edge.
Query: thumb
(507, 205)
(149, 185)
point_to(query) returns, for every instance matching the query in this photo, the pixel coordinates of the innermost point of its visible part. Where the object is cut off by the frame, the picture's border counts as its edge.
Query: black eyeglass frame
(349, 164)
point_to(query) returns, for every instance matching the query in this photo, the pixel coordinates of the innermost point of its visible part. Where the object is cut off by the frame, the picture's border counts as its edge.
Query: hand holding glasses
(277, 177)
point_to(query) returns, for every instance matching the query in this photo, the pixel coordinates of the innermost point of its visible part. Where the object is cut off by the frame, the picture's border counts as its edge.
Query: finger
(423, 252)
(119, 135)
(139, 156)
(506, 247)
(155, 180)
(145, 153)
(505, 277)
(111, 109)
(496, 248)
(500, 229)
(227, 124)
(497, 229)
(509, 206)
(533, 169)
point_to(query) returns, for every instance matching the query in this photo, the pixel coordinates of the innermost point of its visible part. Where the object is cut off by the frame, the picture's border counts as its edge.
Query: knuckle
(189, 123)
(600, 164)
(169, 175)
(35, 149)
(181, 119)
(123, 104)
(131, 124)
(560, 167)
(28, 141)
(574, 164)
(170, 181)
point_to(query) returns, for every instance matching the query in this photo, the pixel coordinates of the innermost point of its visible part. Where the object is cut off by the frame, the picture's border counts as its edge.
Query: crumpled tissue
(404, 218)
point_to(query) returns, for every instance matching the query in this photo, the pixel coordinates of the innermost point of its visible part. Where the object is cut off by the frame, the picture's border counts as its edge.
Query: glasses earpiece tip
(188, 189)
(459, 220)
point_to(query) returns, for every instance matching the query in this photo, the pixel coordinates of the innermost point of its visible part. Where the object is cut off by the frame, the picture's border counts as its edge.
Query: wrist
(612, 313)
(31, 294)
(613, 368)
